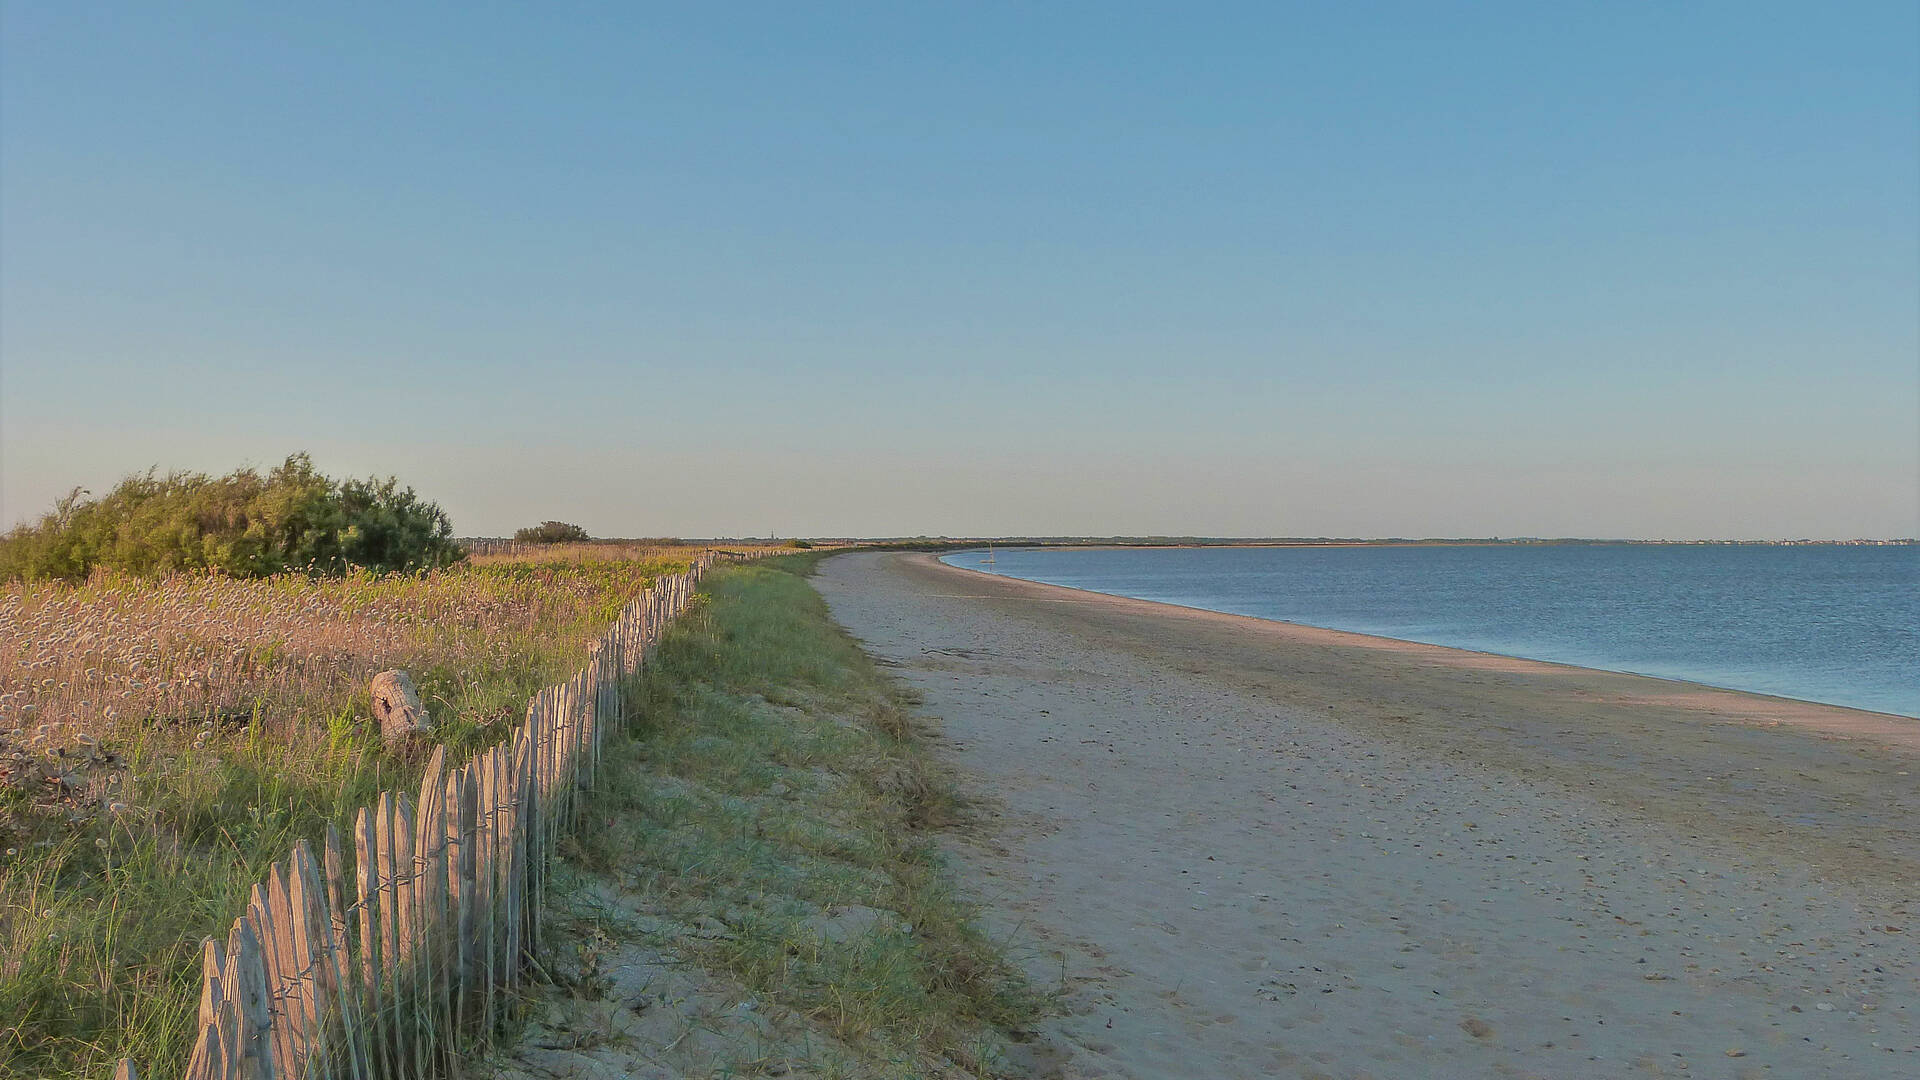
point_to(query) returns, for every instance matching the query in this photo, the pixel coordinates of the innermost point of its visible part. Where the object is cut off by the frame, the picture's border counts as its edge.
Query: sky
(1333, 269)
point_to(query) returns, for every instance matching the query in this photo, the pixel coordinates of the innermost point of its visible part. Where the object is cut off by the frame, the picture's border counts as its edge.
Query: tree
(551, 532)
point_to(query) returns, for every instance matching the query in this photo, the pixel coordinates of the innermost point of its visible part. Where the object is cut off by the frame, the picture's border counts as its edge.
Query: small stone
(706, 926)
(846, 922)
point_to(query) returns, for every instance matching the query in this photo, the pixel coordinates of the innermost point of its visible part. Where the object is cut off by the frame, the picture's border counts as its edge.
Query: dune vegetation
(183, 695)
(773, 818)
(163, 740)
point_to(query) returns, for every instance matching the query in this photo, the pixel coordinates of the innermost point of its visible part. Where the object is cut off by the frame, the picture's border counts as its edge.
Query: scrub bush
(551, 532)
(243, 524)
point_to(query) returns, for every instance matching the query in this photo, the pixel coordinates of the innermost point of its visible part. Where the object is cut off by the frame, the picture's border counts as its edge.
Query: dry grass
(617, 550)
(122, 657)
(162, 742)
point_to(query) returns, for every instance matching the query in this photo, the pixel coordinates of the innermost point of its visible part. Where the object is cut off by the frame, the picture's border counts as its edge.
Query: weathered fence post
(430, 901)
(340, 960)
(373, 935)
(247, 1014)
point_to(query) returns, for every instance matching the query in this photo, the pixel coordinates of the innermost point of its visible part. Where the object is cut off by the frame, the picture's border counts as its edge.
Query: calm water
(1824, 623)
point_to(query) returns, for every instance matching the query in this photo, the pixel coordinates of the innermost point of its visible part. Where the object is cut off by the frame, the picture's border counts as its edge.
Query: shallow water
(1831, 623)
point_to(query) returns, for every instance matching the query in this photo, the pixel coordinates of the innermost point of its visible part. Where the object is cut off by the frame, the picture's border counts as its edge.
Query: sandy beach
(1249, 849)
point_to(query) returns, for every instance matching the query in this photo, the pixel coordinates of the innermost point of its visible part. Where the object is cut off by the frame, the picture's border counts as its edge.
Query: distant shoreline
(962, 543)
(950, 543)
(1493, 542)
(1726, 703)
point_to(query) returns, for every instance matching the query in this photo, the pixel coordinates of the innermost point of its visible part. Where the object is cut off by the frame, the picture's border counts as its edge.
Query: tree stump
(396, 704)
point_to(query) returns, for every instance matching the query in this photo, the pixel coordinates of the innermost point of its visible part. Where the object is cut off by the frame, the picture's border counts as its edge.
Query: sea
(1832, 623)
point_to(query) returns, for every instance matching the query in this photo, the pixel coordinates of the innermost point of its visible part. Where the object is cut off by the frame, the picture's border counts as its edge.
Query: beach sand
(1250, 849)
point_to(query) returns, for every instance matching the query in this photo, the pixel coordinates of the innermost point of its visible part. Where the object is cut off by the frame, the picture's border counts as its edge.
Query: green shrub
(798, 545)
(551, 532)
(242, 524)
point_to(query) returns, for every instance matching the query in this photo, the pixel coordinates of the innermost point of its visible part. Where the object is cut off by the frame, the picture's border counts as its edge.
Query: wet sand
(1249, 849)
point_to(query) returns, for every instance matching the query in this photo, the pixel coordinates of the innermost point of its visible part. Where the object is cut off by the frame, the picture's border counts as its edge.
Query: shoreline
(1113, 545)
(1766, 768)
(1894, 722)
(1246, 848)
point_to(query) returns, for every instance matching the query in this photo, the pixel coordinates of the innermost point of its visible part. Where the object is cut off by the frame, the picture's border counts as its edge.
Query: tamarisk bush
(242, 524)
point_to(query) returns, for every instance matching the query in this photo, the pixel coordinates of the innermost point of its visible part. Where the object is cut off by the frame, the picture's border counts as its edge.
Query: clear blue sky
(1564, 269)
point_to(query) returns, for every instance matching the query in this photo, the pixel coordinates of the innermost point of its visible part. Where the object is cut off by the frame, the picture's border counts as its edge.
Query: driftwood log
(396, 704)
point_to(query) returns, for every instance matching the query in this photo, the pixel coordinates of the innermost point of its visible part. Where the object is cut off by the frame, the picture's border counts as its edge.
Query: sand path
(1250, 849)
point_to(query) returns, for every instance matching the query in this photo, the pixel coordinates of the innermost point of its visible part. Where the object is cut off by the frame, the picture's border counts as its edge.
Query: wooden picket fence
(387, 954)
(490, 545)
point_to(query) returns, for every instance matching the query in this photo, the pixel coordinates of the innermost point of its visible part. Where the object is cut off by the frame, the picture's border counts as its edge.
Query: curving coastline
(1894, 728)
(1253, 848)
(1826, 624)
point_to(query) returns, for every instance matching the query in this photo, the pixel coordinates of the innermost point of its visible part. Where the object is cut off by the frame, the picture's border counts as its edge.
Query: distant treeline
(243, 524)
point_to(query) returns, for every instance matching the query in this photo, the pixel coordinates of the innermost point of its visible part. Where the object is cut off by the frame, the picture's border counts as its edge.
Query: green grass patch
(774, 783)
